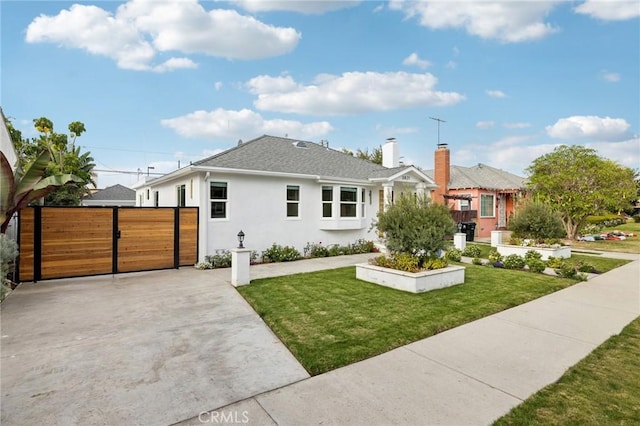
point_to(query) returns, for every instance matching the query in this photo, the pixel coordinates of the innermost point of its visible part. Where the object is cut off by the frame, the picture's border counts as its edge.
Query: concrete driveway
(145, 348)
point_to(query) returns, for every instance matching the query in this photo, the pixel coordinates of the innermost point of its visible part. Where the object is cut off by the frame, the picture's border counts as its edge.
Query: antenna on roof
(440, 145)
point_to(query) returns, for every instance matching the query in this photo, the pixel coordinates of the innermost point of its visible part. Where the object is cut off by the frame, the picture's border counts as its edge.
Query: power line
(126, 172)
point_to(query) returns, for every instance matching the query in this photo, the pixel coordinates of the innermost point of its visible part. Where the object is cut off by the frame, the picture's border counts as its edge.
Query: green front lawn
(328, 319)
(630, 245)
(602, 389)
(602, 264)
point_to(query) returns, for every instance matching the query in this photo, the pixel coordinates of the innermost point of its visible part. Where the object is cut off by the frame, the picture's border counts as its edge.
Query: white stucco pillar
(388, 194)
(460, 240)
(240, 266)
(421, 190)
(497, 238)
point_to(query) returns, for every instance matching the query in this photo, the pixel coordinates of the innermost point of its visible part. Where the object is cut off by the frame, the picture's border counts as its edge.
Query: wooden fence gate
(63, 242)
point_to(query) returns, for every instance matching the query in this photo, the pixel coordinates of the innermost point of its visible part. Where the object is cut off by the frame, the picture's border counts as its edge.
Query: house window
(327, 201)
(218, 196)
(465, 204)
(293, 200)
(487, 205)
(156, 198)
(147, 194)
(182, 195)
(362, 202)
(348, 201)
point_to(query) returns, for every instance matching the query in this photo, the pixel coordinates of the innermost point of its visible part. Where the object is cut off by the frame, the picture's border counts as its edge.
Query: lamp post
(240, 263)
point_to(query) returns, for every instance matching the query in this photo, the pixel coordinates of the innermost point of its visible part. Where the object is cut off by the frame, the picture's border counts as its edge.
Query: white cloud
(509, 22)
(350, 93)
(593, 127)
(313, 7)
(230, 124)
(451, 65)
(509, 153)
(218, 85)
(516, 125)
(174, 64)
(485, 124)
(496, 93)
(393, 131)
(612, 77)
(626, 153)
(415, 60)
(141, 30)
(616, 10)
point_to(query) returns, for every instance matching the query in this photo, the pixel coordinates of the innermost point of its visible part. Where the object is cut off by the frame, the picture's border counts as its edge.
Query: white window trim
(331, 203)
(287, 202)
(493, 207)
(225, 201)
(354, 203)
(178, 195)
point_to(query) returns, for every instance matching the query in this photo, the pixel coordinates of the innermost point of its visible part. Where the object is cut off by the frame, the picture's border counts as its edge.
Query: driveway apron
(144, 348)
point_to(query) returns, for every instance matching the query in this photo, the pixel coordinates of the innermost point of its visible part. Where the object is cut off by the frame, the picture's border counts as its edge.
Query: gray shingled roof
(113, 193)
(284, 155)
(482, 176)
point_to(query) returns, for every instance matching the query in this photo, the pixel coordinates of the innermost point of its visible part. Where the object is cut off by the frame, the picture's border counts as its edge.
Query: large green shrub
(536, 221)
(415, 225)
(606, 220)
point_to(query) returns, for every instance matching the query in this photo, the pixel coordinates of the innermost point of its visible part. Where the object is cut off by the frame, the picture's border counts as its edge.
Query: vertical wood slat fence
(63, 242)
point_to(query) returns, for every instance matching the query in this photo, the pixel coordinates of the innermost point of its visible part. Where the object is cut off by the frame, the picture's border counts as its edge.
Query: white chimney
(391, 153)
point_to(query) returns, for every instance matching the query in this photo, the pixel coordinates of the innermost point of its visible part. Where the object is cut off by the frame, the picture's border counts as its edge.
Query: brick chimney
(441, 173)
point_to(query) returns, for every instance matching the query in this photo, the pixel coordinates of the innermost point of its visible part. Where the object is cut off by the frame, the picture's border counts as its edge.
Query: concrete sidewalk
(469, 375)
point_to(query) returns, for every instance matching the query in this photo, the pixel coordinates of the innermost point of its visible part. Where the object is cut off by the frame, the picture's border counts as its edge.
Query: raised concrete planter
(506, 250)
(412, 282)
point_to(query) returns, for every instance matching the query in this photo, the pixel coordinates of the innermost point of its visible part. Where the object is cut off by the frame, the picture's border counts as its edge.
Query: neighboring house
(116, 195)
(284, 191)
(481, 194)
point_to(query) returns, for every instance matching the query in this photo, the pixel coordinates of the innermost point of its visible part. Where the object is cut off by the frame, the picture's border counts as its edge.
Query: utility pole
(439, 121)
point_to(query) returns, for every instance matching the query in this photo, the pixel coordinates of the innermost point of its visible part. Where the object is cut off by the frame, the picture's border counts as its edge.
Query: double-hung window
(348, 201)
(156, 198)
(487, 205)
(219, 198)
(293, 201)
(327, 201)
(182, 195)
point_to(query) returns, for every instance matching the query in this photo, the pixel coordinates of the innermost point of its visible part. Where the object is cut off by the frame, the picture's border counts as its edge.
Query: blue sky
(162, 83)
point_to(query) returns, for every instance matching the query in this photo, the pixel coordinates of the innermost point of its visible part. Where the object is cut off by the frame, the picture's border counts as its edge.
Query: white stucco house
(284, 191)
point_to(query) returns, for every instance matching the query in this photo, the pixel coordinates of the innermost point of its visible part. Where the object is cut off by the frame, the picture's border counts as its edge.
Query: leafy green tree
(64, 159)
(536, 221)
(415, 225)
(575, 182)
(375, 156)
